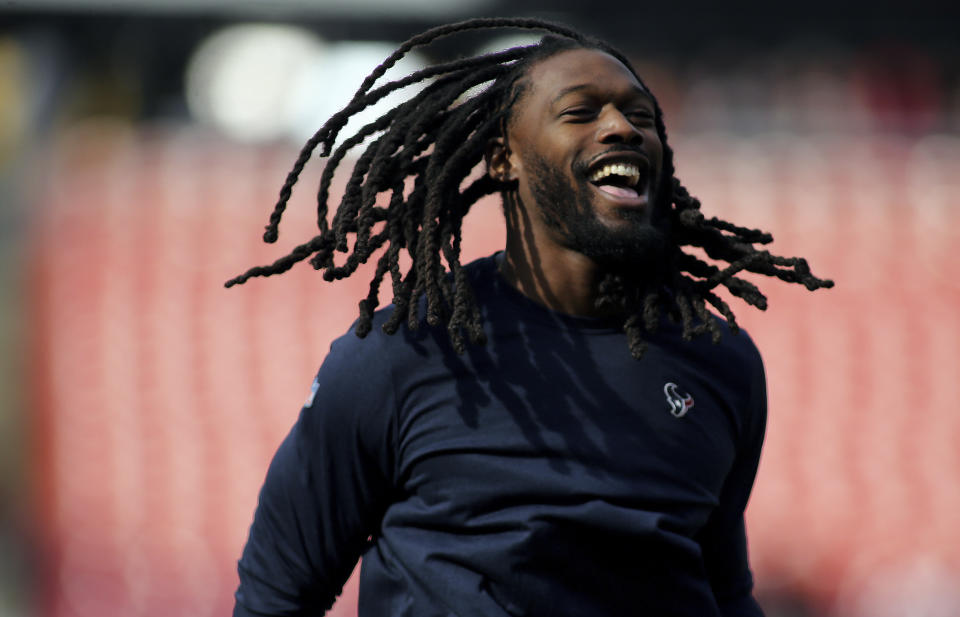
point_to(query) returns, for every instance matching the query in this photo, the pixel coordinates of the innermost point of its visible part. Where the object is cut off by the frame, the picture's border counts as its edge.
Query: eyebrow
(578, 87)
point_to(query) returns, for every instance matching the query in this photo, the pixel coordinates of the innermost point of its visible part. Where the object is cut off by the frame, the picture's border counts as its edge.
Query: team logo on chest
(680, 402)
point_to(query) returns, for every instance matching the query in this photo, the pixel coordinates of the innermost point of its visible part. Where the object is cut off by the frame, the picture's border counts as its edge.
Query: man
(588, 453)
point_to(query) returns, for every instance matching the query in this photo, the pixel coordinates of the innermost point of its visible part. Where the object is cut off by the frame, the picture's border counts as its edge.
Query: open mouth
(620, 180)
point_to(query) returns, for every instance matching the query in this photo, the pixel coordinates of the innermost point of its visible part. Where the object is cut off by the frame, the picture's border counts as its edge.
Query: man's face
(584, 149)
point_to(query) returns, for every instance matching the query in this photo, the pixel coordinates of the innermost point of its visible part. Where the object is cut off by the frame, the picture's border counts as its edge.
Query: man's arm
(325, 491)
(723, 540)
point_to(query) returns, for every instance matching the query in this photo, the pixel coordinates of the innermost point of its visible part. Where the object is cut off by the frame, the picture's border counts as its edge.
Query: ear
(499, 160)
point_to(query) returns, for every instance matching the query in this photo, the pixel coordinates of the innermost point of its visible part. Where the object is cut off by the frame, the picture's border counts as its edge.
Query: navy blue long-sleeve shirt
(545, 473)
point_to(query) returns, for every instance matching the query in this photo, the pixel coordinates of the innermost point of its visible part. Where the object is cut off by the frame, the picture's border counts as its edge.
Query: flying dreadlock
(436, 139)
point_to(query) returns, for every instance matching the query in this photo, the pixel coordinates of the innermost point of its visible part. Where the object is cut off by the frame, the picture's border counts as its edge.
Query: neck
(560, 279)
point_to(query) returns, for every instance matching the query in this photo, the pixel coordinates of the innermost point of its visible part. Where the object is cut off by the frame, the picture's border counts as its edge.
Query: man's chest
(660, 439)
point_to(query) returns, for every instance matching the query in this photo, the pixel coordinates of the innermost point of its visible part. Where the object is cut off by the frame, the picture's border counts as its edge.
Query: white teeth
(627, 170)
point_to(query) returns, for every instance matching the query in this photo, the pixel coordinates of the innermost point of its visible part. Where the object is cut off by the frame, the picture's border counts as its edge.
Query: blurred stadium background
(142, 143)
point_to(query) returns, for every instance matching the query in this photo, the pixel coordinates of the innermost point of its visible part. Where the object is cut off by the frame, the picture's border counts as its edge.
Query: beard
(638, 248)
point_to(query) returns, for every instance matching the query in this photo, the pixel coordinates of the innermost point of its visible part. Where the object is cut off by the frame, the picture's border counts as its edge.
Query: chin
(630, 245)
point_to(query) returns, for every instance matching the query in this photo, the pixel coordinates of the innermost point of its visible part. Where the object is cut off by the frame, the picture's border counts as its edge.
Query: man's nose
(617, 128)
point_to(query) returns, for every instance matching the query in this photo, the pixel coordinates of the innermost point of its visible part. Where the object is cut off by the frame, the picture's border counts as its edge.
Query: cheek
(656, 145)
(655, 151)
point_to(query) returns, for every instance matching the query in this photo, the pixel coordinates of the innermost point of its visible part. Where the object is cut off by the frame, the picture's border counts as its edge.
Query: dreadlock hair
(435, 139)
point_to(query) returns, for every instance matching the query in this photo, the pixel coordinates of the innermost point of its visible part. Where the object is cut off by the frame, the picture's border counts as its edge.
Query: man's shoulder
(480, 274)
(736, 345)
(399, 354)
(733, 353)
(737, 340)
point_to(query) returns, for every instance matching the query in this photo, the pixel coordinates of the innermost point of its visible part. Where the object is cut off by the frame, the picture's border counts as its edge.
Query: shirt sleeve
(325, 490)
(723, 539)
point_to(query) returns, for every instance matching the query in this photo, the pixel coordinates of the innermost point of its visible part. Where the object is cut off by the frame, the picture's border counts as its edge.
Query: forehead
(576, 70)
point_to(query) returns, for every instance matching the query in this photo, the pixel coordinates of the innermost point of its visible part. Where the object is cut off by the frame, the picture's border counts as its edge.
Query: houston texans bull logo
(680, 402)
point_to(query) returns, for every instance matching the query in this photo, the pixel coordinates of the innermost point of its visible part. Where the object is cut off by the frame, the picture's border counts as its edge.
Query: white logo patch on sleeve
(313, 392)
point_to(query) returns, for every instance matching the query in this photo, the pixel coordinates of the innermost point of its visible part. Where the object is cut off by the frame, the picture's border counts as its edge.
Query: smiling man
(546, 432)
(583, 149)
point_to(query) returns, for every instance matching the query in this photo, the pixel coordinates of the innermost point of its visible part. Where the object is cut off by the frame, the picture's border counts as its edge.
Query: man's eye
(640, 117)
(579, 112)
